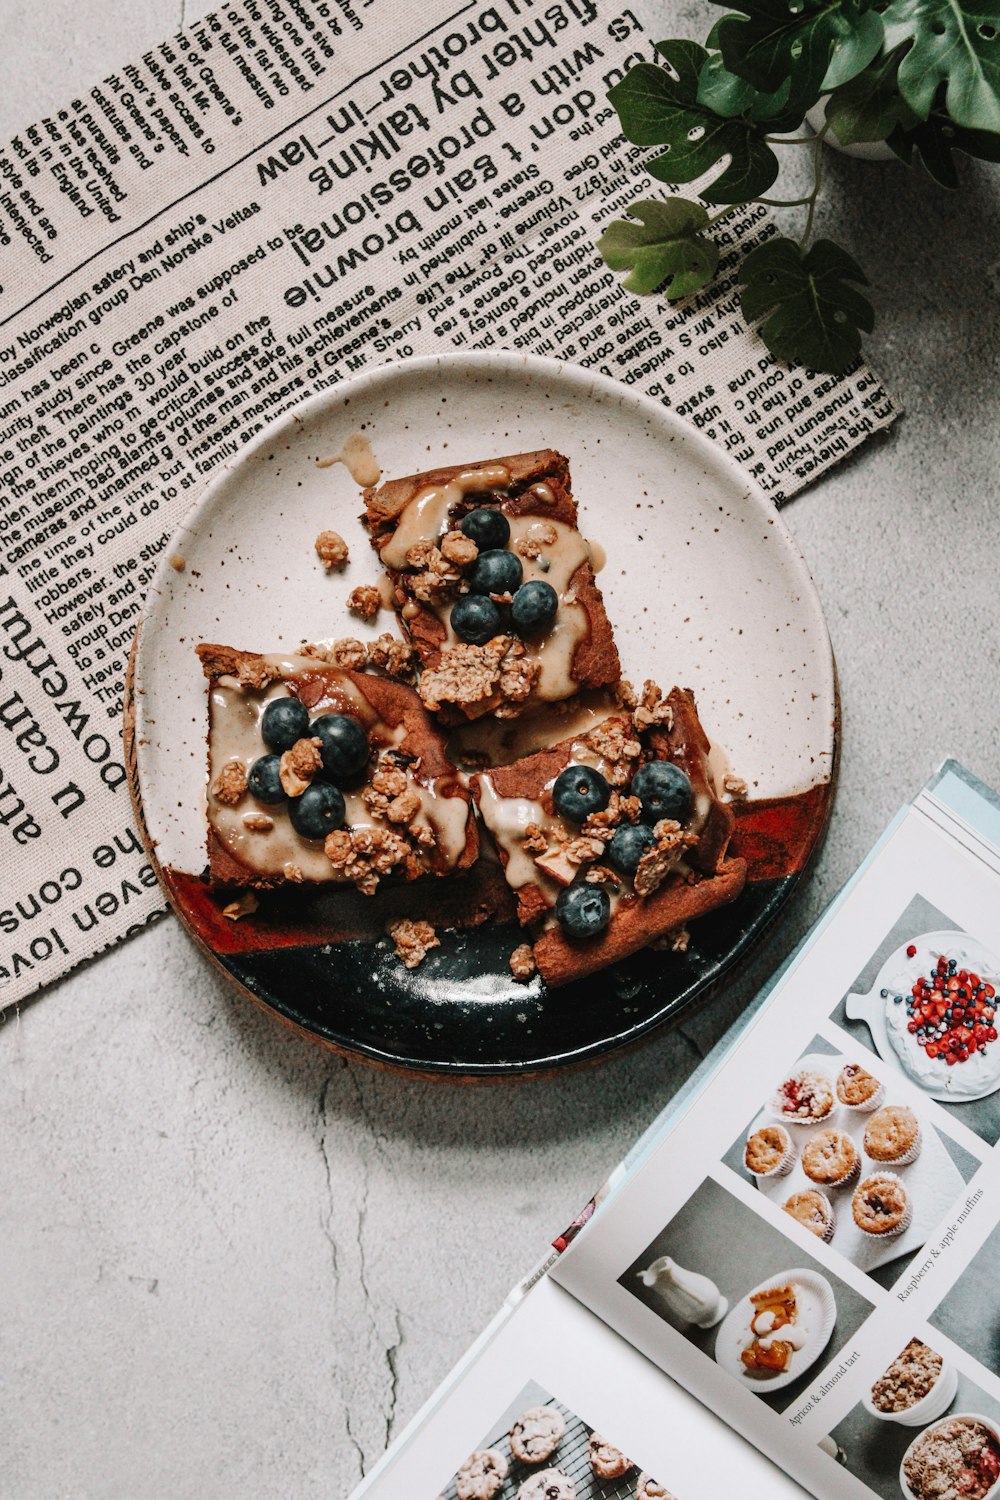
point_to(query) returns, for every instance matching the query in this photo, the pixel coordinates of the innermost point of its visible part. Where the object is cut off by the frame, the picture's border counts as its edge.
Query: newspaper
(280, 195)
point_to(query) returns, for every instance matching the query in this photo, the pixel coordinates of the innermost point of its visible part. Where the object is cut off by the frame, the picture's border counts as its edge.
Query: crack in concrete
(391, 1361)
(325, 1219)
(354, 1442)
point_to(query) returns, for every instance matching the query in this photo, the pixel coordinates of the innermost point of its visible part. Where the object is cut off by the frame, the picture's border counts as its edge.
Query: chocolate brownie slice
(405, 812)
(678, 869)
(500, 658)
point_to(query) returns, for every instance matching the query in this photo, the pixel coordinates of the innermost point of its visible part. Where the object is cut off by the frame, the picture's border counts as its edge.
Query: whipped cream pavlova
(940, 1014)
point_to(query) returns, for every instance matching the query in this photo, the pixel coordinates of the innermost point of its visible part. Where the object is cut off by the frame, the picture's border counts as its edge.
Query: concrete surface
(234, 1266)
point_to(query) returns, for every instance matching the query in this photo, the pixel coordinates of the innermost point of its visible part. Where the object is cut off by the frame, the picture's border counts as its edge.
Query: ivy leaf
(956, 43)
(813, 316)
(658, 106)
(935, 139)
(666, 246)
(803, 41)
(870, 107)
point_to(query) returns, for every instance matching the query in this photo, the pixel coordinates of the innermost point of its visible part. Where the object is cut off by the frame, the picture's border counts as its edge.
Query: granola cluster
(467, 676)
(299, 765)
(364, 855)
(231, 783)
(413, 940)
(658, 862)
(394, 657)
(365, 601)
(434, 577)
(391, 795)
(614, 741)
(522, 961)
(255, 672)
(331, 549)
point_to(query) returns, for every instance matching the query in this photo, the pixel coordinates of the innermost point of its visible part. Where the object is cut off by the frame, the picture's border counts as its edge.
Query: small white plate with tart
(777, 1331)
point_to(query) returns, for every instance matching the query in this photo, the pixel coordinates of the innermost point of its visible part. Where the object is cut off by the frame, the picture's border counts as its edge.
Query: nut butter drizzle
(235, 734)
(425, 517)
(358, 459)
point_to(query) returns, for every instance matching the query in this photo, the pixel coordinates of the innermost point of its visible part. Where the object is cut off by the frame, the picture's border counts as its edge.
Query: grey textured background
(234, 1265)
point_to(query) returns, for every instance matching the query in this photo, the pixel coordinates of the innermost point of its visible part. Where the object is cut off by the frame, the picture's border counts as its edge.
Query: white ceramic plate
(817, 1312)
(899, 972)
(704, 587)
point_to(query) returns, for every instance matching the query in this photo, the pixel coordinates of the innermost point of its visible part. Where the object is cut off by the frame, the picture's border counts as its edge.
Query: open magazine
(790, 1283)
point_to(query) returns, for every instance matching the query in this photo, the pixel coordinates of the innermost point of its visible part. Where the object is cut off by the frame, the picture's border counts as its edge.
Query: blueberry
(583, 910)
(629, 843)
(579, 791)
(487, 527)
(476, 619)
(263, 780)
(534, 607)
(664, 791)
(496, 572)
(284, 721)
(318, 811)
(343, 746)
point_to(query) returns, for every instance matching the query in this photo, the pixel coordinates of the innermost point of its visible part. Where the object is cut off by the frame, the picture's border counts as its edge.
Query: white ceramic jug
(694, 1298)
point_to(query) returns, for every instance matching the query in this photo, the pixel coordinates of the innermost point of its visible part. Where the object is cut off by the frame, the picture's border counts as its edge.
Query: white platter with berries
(704, 588)
(918, 1034)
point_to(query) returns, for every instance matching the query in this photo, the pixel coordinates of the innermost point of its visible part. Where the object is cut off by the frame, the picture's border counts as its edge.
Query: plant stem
(817, 183)
(730, 208)
(783, 140)
(783, 202)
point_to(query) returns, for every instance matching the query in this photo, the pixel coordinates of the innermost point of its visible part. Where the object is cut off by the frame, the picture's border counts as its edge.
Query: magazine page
(552, 1405)
(274, 199)
(810, 1250)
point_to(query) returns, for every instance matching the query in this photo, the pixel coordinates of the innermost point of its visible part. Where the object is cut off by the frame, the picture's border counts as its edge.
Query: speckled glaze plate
(704, 587)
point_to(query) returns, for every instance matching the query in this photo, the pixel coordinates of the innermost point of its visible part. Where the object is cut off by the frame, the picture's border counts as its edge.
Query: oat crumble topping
(331, 549)
(735, 786)
(299, 765)
(652, 708)
(413, 940)
(459, 549)
(522, 962)
(365, 601)
(255, 672)
(364, 855)
(908, 1379)
(534, 841)
(231, 783)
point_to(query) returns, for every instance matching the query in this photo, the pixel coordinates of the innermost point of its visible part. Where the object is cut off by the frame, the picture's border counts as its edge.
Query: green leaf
(955, 43)
(666, 246)
(864, 40)
(658, 106)
(813, 317)
(729, 95)
(870, 107)
(935, 139)
(806, 42)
